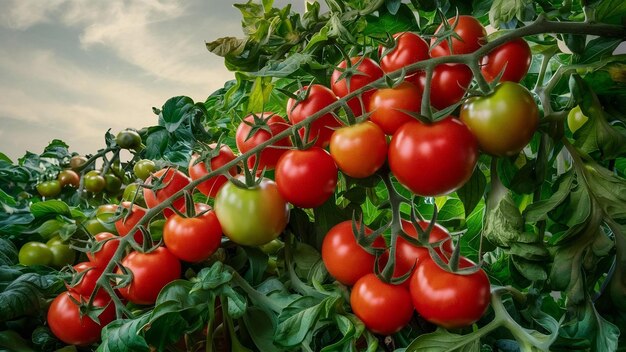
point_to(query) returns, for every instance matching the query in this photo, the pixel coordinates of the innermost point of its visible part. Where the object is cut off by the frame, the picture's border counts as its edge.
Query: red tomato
(433, 159)
(368, 72)
(193, 239)
(344, 258)
(359, 150)
(383, 308)
(126, 223)
(410, 48)
(87, 282)
(512, 57)
(408, 255)
(67, 324)
(447, 299)
(448, 84)
(212, 185)
(269, 155)
(318, 98)
(472, 35)
(108, 243)
(386, 106)
(172, 181)
(151, 272)
(306, 178)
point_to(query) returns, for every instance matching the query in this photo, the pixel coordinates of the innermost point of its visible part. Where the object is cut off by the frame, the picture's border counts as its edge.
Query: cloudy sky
(71, 69)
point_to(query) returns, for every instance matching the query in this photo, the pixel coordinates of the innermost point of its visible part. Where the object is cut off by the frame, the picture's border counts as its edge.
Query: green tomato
(62, 253)
(251, 216)
(49, 188)
(113, 184)
(77, 161)
(94, 182)
(35, 253)
(576, 119)
(130, 193)
(128, 139)
(143, 168)
(156, 229)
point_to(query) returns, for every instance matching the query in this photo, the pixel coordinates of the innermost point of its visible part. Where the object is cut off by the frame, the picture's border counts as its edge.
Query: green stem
(254, 295)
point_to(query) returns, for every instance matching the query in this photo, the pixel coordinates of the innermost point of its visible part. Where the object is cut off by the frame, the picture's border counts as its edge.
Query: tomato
(512, 57)
(128, 139)
(62, 253)
(68, 178)
(359, 150)
(199, 169)
(387, 106)
(103, 221)
(408, 255)
(368, 72)
(103, 251)
(94, 182)
(318, 98)
(67, 324)
(251, 216)
(448, 299)
(472, 36)
(151, 272)
(113, 184)
(410, 48)
(172, 181)
(35, 253)
(504, 121)
(344, 258)
(448, 84)
(193, 239)
(87, 274)
(129, 220)
(269, 155)
(134, 192)
(433, 159)
(49, 189)
(306, 178)
(576, 119)
(143, 168)
(77, 161)
(383, 308)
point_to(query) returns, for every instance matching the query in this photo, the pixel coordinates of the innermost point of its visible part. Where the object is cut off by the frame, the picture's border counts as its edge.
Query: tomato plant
(248, 137)
(344, 81)
(316, 97)
(446, 152)
(193, 239)
(198, 169)
(306, 178)
(359, 150)
(84, 282)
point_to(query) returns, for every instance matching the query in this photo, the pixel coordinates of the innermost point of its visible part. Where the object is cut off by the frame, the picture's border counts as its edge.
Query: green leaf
(608, 189)
(445, 341)
(124, 335)
(261, 326)
(503, 222)
(539, 210)
(403, 20)
(175, 111)
(472, 191)
(297, 320)
(24, 296)
(4, 157)
(156, 142)
(8, 252)
(50, 207)
(599, 49)
(503, 11)
(610, 11)
(259, 96)
(531, 270)
(286, 67)
(226, 46)
(12, 341)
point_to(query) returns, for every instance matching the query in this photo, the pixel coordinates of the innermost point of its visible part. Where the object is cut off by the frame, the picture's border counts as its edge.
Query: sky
(72, 69)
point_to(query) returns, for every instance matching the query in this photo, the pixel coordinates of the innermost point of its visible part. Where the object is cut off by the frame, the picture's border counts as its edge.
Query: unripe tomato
(472, 36)
(68, 178)
(576, 119)
(35, 253)
(306, 178)
(62, 253)
(134, 192)
(197, 170)
(49, 188)
(113, 184)
(94, 182)
(128, 139)
(318, 98)
(77, 161)
(265, 212)
(143, 168)
(504, 121)
(359, 150)
(368, 72)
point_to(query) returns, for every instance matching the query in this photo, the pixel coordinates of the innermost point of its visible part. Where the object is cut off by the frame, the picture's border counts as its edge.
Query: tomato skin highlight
(306, 178)
(369, 72)
(383, 308)
(269, 155)
(359, 150)
(68, 326)
(386, 105)
(211, 186)
(472, 35)
(344, 258)
(151, 272)
(172, 181)
(433, 159)
(265, 211)
(193, 239)
(410, 48)
(504, 121)
(319, 97)
(513, 57)
(447, 299)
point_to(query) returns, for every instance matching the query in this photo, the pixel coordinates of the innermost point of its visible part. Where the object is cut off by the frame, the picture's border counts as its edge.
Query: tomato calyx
(447, 32)
(86, 308)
